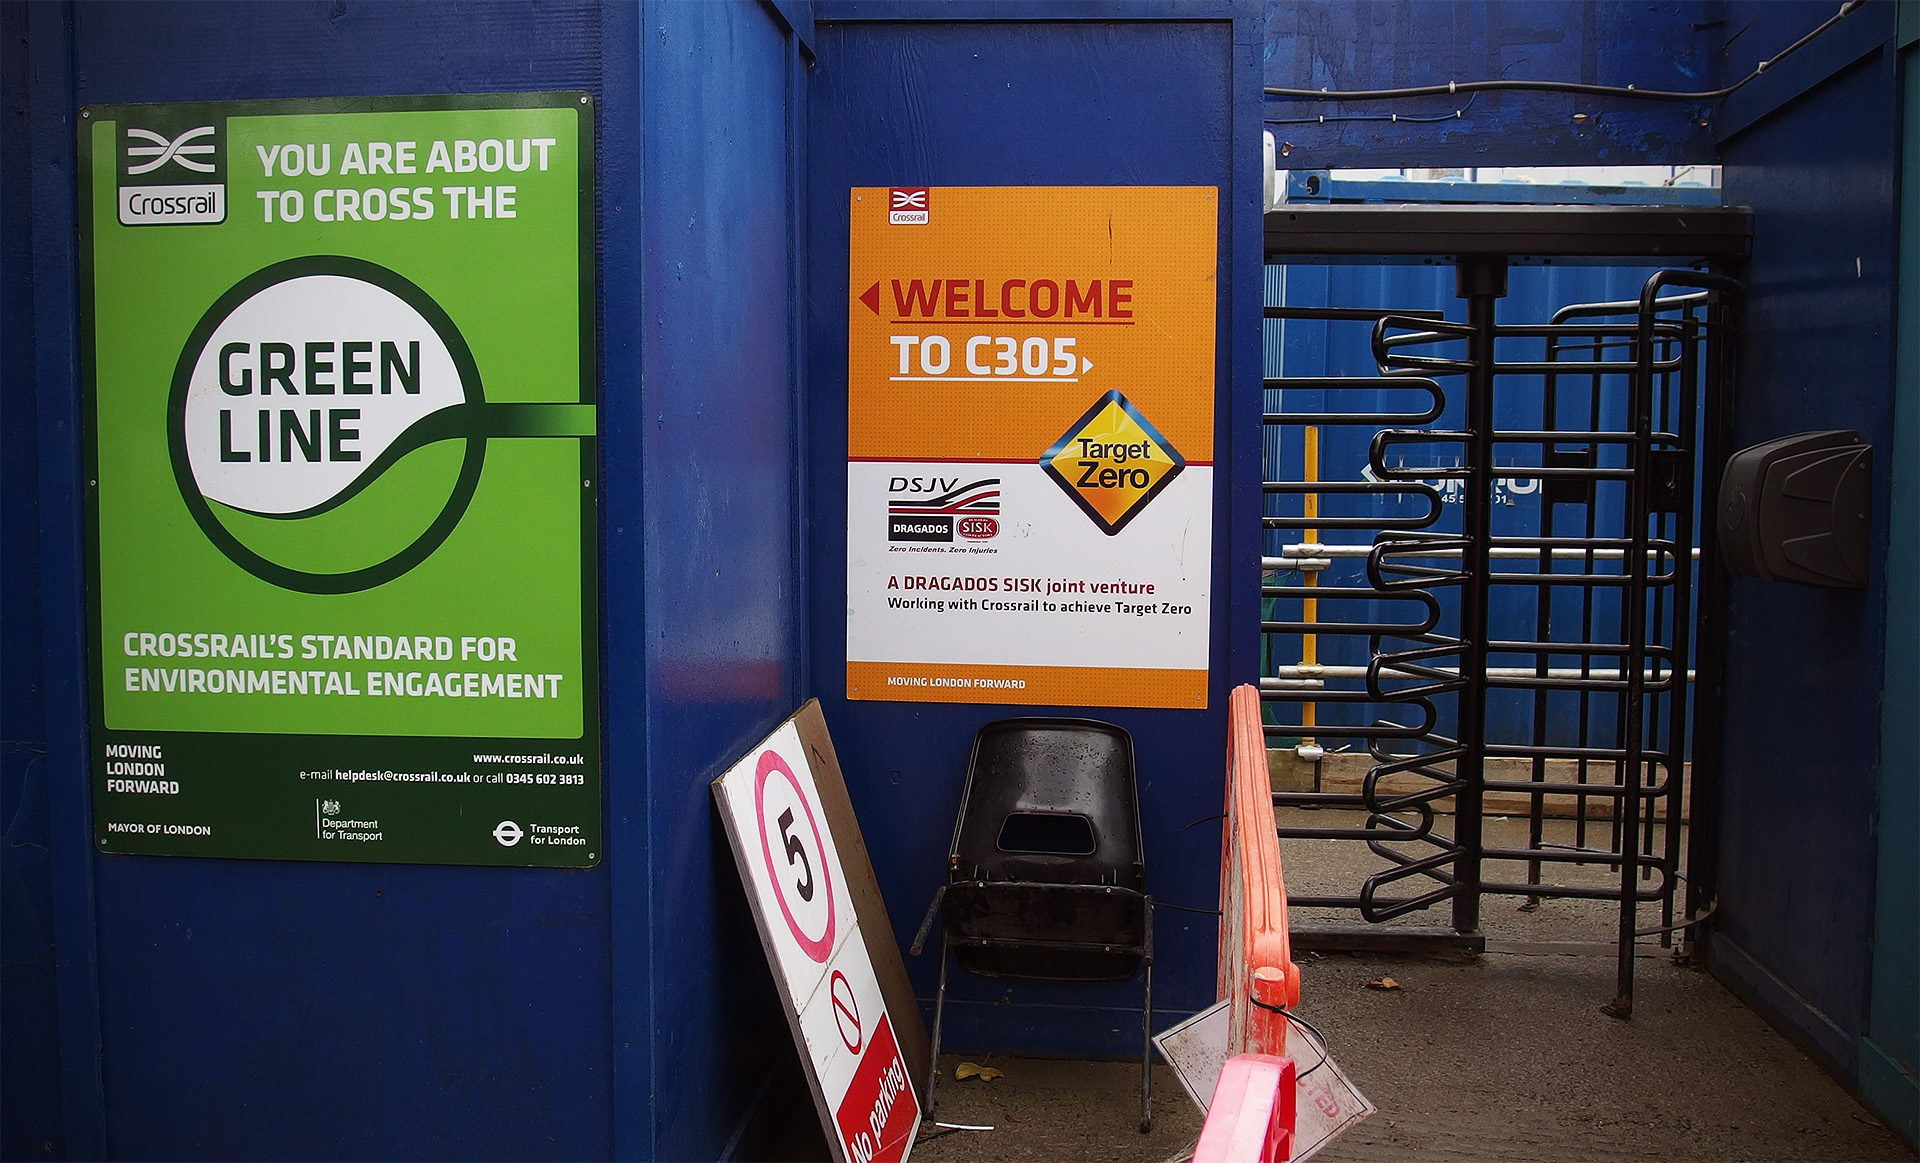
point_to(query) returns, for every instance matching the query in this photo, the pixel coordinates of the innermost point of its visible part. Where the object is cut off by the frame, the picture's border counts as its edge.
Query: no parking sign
(802, 889)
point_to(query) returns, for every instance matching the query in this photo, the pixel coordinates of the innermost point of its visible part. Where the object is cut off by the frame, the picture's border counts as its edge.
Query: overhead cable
(1326, 117)
(1630, 91)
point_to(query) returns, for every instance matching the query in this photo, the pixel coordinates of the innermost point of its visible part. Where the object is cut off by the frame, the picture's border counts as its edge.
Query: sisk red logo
(977, 528)
(907, 205)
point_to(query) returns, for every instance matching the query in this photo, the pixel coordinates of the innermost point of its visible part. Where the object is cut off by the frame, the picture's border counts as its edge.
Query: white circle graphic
(302, 386)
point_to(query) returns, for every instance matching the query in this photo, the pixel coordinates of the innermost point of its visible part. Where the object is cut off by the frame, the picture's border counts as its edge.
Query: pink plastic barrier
(1250, 1119)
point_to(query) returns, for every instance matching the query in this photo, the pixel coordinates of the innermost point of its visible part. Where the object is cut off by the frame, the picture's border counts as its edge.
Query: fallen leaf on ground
(1383, 983)
(974, 1070)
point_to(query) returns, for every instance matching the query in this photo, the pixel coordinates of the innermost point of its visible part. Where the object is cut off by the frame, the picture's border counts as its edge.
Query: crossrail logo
(908, 205)
(935, 508)
(302, 388)
(163, 151)
(174, 175)
(1112, 462)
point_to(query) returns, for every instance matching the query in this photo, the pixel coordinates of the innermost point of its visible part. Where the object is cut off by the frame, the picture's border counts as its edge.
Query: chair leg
(939, 1013)
(1146, 1026)
(926, 923)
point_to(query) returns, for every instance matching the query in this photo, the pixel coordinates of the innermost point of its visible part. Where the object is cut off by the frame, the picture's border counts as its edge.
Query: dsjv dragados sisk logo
(936, 508)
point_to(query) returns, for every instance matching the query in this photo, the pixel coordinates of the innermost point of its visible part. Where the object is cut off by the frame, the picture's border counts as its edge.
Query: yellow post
(1310, 607)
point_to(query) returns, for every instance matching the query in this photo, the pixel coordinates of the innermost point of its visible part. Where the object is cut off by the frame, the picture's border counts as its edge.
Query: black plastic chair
(1045, 878)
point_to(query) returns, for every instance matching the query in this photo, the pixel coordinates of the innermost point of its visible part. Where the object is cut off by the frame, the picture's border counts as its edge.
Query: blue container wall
(1666, 44)
(29, 1000)
(993, 103)
(1890, 1050)
(1801, 699)
(261, 1009)
(713, 541)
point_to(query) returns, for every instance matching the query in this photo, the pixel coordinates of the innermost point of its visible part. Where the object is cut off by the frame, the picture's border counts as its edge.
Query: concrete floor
(1506, 1056)
(1334, 867)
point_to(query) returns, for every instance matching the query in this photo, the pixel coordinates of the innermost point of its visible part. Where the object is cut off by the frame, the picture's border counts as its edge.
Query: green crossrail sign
(340, 437)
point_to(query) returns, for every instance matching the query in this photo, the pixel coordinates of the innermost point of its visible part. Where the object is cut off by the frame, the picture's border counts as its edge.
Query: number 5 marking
(796, 848)
(793, 830)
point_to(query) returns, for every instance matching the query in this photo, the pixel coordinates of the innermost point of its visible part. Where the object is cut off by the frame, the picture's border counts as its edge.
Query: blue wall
(262, 1009)
(29, 996)
(1890, 1050)
(1673, 44)
(1801, 699)
(712, 538)
(971, 102)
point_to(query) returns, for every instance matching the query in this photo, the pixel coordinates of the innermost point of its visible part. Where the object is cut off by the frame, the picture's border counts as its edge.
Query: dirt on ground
(1049, 1109)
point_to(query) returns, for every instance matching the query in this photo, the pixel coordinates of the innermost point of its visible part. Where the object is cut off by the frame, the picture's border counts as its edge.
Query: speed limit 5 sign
(798, 887)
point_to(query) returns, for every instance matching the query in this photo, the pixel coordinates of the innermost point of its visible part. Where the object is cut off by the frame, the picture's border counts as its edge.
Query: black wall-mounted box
(1797, 509)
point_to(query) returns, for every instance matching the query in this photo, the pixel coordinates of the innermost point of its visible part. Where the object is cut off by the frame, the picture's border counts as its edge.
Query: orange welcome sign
(971, 327)
(1030, 420)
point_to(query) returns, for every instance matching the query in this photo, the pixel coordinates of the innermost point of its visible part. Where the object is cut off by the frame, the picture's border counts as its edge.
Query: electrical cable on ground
(1304, 1024)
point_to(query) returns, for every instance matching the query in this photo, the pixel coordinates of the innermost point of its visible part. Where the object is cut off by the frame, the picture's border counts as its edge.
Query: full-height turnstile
(1588, 609)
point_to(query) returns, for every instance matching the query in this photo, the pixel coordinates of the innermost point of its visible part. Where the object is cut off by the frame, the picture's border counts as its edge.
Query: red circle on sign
(816, 949)
(846, 1010)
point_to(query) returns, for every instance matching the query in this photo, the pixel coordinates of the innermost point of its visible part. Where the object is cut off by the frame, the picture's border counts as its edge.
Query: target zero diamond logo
(303, 386)
(1112, 462)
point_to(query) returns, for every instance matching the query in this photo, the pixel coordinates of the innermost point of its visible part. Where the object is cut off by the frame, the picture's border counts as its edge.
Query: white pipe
(1298, 674)
(1293, 556)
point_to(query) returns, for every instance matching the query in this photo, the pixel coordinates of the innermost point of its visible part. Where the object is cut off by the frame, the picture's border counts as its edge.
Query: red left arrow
(871, 297)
